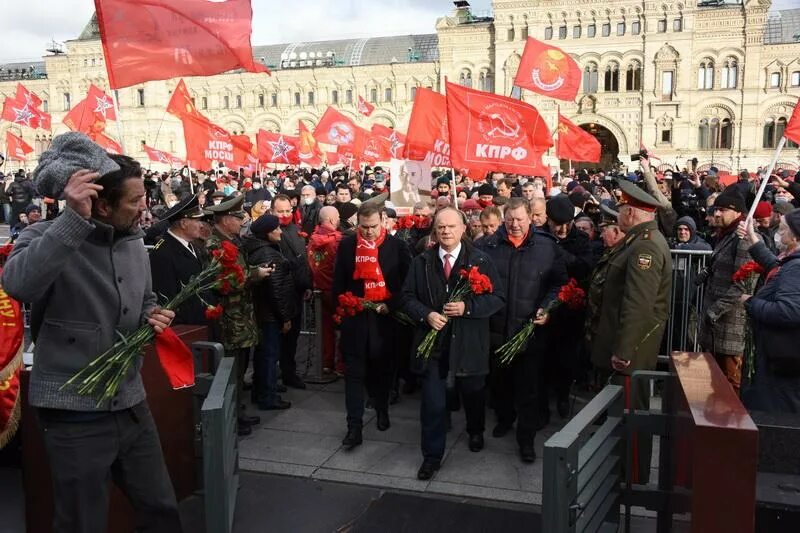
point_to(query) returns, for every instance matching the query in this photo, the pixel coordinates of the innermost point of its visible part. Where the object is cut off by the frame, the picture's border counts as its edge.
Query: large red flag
(393, 140)
(82, 118)
(108, 144)
(19, 112)
(309, 151)
(27, 96)
(162, 39)
(428, 138)
(493, 132)
(575, 143)
(180, 103)
(101, 104)
(16, 148)
(548, 70)
(277, 148)
(364, 107)
(336, 129)
(206, 142)
(792, 131)
(160, 156)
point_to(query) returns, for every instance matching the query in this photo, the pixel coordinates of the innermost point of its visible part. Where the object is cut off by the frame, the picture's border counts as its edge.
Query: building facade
(712, 82)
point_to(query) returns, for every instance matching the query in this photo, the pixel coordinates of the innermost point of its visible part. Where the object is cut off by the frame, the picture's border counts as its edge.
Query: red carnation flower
(751, 268)
(213, 313)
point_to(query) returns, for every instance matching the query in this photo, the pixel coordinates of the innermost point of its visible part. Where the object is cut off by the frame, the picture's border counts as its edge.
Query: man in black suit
(372, 265)
(175, 259)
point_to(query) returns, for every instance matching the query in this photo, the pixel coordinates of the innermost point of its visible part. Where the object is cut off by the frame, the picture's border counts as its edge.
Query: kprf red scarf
(368, 268)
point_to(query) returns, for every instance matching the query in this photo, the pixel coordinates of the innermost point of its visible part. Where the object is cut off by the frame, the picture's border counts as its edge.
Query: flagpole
(453, 182)
(191, 183)
(765, 179)
(115, 99)
(158, 131)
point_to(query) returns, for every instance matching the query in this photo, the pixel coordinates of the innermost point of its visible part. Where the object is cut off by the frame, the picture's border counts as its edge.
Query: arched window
(465, 79)
(705, 75)
(730, 74)
(773, 131)
(485, 81)
(510, 35)
(590, 78)
(715, 134)
(633, 77)
(775, 80)
(795, 79)
(611, 82)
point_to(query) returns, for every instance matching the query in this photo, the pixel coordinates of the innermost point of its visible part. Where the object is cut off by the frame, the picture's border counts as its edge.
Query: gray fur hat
(67, 154)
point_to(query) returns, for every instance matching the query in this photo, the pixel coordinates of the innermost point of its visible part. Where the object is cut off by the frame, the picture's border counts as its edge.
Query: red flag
(345, 159)
(108, 144)
(206, 142)
(162, 39)
(650, 155)
(493, 132)
(180, 103)
(336, 129)
(19, 112)
(16, 148)
(101, 104)
(310, 152)
(46, 121)
(364, 107)
(548, 70)
(393, 140)
(277, 148)
(26, 95)
(244, 153)
(176, 359)
(163, 157)
(792, 131)
(427, 138)
(82, 118)
(575, 143)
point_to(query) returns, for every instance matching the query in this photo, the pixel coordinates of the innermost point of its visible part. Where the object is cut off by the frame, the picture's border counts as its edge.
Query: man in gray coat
(86, 276)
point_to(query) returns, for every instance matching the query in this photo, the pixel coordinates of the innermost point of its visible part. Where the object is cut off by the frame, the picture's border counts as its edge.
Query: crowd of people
(335, 233)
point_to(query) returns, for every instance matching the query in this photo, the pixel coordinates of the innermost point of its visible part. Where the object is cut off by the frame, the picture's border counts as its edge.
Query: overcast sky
(27, 26)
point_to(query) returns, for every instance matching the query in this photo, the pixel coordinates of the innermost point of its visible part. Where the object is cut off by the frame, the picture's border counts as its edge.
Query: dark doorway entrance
(609, 149)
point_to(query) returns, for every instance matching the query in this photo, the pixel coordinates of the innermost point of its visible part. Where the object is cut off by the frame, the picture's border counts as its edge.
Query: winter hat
(485, 190)
(264, 225)
(560, 209)
(67, 154)
(763, 210)
(731, 199)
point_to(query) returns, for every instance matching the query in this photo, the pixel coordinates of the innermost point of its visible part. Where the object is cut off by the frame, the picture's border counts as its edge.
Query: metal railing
(686, 302)
(310, 341)
(583, 468)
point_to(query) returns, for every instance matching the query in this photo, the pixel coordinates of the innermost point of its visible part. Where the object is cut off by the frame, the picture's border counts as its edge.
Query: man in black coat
(274, 302)
(459, 363)
(293, 247)
(531, 269)
(174, 259)
(309, 209)
(372, 265)
(565, 333)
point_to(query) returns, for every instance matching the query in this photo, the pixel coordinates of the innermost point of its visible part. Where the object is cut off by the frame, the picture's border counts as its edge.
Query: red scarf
(368, 268)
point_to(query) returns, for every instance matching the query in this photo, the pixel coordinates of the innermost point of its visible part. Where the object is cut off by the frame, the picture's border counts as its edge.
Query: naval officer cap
(187, 208)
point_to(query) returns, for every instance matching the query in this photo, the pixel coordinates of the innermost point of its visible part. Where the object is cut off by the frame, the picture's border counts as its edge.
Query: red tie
(447, 266)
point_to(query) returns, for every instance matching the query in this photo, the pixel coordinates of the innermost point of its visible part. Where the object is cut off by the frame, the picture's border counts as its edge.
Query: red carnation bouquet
(407, 223)
(748, 273)
(747, 277)
(102, 377)
(570, 295)
(351, 305)
(470, 282)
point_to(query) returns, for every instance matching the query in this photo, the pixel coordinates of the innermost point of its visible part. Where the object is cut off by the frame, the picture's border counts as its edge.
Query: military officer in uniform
(237, 326)
(629, 305)
(175, 259)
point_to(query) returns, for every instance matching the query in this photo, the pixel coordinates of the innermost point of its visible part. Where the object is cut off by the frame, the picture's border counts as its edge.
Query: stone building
(711, 79)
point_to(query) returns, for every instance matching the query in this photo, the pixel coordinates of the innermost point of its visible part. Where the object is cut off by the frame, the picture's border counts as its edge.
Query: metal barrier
(310, 341)
(220, 449)
(686, 301)
(583, 473)
(207, 356)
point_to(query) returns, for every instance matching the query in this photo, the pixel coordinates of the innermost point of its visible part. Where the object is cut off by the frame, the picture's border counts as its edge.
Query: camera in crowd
(640, 155)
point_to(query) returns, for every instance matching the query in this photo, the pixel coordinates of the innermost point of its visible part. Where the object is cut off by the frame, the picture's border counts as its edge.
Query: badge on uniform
(645, 261)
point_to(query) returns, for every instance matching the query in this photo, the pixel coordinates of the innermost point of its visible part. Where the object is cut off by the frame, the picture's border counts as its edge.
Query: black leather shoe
(476, 442)
(294, 382)
(247, 420)
(428, 469)
(383, 421)
(500, 430)
(244, 430)
(562, 406)
(527, 453)
(352, 439)
(280, 405)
